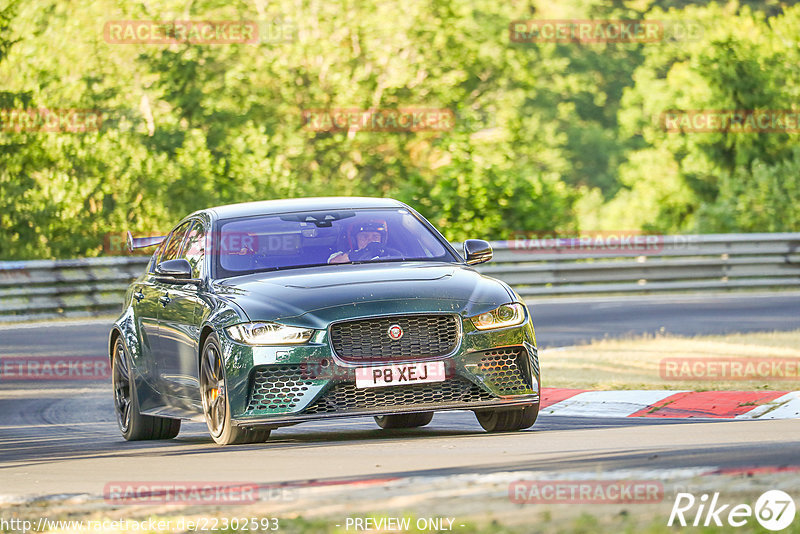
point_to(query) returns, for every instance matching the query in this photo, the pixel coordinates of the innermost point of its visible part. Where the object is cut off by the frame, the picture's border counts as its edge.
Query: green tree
(745, 64)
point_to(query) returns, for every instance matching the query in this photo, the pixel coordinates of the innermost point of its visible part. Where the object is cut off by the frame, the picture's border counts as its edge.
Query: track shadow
(51, 429)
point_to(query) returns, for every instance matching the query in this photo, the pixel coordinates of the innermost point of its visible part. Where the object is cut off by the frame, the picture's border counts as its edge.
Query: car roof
(266, 207)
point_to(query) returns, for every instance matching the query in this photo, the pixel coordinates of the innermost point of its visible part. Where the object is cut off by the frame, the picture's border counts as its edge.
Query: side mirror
(477, 251)
(175, 269)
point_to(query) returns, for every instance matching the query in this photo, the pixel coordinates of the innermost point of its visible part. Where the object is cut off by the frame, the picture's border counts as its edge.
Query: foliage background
(548, 137)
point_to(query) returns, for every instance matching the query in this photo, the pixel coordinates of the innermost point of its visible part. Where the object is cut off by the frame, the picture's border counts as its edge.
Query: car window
(194, 249)
(173, 244)
(151, 266)
(316, 238)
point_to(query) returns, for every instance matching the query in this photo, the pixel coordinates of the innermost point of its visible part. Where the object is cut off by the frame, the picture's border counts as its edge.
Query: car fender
(125, 329)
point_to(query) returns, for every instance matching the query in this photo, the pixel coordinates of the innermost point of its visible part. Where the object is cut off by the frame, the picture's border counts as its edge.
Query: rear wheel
(405, 420)
(508, 419)
(216, 404)
(134, 425)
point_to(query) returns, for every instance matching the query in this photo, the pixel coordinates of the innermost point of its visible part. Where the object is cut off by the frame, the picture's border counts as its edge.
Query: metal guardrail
(648, 264)
(44, 289)
(665, 263)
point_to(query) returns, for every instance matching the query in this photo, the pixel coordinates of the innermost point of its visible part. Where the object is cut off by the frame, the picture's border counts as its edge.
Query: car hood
(316, 296)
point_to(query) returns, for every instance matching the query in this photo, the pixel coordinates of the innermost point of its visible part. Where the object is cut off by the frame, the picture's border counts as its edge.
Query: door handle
(164, 299)
(138, 296)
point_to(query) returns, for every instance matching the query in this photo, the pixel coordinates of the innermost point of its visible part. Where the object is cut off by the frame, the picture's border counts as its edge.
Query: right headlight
(264, 333)
(506, 315)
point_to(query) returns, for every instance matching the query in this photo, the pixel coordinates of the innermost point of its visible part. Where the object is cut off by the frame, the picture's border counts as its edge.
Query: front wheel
(133, 424)
(508, 419)
(405, 420)
(216, 404)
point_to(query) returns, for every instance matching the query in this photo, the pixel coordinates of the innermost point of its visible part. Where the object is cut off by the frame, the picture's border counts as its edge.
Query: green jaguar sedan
(267, 314)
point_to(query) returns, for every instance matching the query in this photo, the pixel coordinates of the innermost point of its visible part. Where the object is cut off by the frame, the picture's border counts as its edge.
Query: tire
(133, 424)
(405, 420)
(216, 404)
(509, 419)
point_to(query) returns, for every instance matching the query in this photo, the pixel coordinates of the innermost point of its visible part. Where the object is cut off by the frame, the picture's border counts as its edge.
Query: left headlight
(506, 315)
(269, 334)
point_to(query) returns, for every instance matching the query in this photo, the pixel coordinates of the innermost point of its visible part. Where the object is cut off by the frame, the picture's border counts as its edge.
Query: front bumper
(285, 385)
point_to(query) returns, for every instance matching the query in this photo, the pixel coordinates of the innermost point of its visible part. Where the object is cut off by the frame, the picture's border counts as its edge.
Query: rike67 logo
(774, 510)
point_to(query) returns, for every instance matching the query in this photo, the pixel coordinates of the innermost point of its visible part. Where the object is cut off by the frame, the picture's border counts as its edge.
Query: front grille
(278, 387)
(503, 369)
(424, 336)
(346, 397)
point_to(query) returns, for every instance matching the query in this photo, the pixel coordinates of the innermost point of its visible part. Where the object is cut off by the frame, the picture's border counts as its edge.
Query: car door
(163, 296)
(179, 332)
(145, 310)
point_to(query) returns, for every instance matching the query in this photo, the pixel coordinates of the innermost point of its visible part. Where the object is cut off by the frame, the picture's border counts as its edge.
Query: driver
(370, 242)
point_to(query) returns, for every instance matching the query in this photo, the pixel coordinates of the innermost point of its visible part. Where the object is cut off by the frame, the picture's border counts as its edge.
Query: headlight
(505, 315)
(269, 334)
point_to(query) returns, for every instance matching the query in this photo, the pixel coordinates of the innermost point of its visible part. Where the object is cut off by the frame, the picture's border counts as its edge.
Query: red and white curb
(677, 404)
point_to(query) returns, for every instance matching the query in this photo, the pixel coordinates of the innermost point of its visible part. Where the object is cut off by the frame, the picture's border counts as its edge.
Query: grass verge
(641, 363)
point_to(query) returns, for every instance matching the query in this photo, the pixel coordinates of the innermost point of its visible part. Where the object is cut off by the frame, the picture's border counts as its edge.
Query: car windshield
(292, 240)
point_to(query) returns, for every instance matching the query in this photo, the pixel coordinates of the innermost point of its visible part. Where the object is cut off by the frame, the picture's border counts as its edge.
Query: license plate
(396, 375)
